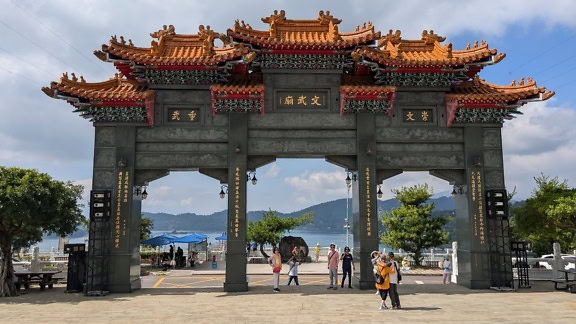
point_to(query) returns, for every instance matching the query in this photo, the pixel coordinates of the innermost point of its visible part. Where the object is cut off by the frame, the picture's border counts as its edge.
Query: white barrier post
(35, 262)
(557, 263)
(454, 262)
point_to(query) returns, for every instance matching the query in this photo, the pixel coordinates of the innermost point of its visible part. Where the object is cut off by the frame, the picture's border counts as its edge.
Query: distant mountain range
(329, 216)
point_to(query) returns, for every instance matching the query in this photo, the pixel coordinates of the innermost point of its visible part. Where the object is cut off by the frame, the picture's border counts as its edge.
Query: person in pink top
(333, 267)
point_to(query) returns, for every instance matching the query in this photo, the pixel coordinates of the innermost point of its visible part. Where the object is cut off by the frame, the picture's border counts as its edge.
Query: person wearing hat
(394, 281)
(317, 252)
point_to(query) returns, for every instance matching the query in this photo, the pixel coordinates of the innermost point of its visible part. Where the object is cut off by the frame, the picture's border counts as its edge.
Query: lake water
(311, 238)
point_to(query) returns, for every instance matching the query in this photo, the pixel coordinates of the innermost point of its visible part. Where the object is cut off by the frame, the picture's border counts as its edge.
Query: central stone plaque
(302, 99)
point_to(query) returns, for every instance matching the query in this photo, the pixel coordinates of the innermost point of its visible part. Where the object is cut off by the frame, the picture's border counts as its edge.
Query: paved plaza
(308, 303)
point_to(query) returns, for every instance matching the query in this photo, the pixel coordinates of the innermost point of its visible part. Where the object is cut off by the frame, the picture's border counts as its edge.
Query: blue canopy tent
(192, 238)
(163, 239)
(221, 238)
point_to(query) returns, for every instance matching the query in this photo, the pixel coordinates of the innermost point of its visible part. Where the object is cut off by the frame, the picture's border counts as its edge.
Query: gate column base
(363, 284)
(235, 287)
(236, 271)
(473, 284)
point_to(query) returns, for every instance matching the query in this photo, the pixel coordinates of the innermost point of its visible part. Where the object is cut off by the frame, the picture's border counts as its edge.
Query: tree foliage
(31, 204)
(548, 216)
(271, 228)
(146, 226)
(412, 227)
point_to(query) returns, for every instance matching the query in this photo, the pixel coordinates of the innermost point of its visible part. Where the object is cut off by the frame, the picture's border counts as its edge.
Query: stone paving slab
(309, 304)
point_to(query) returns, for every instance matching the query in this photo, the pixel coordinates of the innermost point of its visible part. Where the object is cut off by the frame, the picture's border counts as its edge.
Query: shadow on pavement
(419, 308)
(57, 295)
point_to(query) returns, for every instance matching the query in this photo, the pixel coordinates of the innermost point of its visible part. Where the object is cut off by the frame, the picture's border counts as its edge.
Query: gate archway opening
(183, 203)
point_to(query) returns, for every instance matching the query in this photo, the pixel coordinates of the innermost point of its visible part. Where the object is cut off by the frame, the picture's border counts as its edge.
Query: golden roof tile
(321, 33)
(480, 91)
(240, 85)
(175, 49)
(427, 51)
(115, 89)
(363, 85)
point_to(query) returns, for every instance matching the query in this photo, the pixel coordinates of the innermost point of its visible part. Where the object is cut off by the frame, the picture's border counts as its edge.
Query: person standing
(375, 259)
(275, 262)
(383, 280)
(179, 256)
(317, 251)
(347, 266)
(395, 279)
(293, 272)
(446, 270)
(254, 248)
(333, 267)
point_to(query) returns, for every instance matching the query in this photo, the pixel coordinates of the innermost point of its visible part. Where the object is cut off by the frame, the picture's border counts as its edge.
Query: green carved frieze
(304, 61)
(183, 76)
(237, 105)
(423, 79)
(114, 114)
(355, 106)
(484, 115)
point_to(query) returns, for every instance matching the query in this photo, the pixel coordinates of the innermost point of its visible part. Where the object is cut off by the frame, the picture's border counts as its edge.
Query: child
(293, 272)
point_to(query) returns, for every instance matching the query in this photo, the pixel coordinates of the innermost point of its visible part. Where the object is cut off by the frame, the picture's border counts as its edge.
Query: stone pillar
(473, 254)
(365, 207)
(454, 262)
(124, 266)
(236, 226)
(35, 265)
(557, 262)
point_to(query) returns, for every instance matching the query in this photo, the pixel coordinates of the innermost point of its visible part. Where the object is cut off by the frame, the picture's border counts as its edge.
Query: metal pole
(347, 219)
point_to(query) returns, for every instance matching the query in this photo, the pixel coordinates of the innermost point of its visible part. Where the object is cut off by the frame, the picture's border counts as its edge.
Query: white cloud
(273, 171)
(87, 183)
(543, 140)
(324, 185)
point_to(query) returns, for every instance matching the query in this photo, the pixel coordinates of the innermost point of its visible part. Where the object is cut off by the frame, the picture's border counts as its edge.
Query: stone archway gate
(371, 103)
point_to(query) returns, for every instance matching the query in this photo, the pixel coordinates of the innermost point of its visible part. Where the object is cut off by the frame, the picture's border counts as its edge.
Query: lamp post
(347, 220)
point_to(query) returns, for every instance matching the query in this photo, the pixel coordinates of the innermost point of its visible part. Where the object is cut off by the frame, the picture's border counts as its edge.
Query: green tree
(31, 204)
(146, 226)
(548, 216)
(270, 229)
(412, 227)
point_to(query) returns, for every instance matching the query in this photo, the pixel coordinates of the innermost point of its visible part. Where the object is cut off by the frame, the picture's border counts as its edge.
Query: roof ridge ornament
(393, 38)
(165, 31)
(429, 37)
(327, 18)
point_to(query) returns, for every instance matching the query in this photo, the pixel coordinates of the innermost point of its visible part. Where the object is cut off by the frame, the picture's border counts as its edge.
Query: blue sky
(42, 133)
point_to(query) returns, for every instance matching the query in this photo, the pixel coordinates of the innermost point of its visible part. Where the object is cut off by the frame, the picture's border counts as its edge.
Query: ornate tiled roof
(363, 85)
(174, 49)
(115, 89)
(427, 51)
(117, 99)
(321, 33)
(241, 85)
(480, 91)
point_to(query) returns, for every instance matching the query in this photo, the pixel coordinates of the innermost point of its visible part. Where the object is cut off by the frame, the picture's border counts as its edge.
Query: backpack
(379, 279)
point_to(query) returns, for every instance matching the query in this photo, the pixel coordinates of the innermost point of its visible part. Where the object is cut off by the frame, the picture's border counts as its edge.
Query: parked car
(569, 261)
